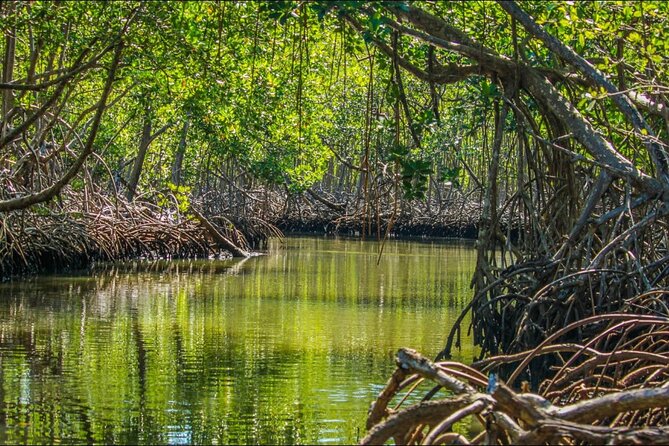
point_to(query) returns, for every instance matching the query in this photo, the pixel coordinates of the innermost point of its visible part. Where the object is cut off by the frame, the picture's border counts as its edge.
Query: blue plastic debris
(492, 383)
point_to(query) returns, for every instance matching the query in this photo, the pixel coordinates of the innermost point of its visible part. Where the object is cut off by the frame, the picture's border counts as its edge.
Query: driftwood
(509, 417)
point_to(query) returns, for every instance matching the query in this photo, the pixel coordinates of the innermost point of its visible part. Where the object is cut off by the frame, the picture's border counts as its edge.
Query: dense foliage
(273, 90)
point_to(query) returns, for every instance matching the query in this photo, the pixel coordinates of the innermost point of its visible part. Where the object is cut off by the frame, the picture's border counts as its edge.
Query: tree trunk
(139, 161)
(8, 76)
(145, 142)
(51, 191)
(179, 156)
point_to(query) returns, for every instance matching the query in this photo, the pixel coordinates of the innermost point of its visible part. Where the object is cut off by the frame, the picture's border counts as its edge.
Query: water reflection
(285, 348)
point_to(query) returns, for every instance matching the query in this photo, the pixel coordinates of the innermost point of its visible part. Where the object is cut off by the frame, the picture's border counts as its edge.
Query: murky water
(285, 348)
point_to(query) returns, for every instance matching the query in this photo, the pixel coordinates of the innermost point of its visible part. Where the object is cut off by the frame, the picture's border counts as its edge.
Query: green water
(286, 348)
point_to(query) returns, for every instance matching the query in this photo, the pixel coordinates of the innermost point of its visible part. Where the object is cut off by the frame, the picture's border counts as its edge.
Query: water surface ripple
(285, 348)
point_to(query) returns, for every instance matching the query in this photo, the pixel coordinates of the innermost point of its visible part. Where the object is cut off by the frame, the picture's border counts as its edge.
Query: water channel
(290, 347)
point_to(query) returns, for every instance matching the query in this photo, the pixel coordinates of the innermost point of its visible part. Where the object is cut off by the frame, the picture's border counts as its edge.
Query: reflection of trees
(257, 356)
(152, 348)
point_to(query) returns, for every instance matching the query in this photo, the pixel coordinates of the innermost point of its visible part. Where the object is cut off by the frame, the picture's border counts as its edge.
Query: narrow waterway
(290, 347)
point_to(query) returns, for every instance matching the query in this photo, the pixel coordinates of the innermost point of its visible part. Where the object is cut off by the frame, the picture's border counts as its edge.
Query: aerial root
(605, 414)
(49, 239)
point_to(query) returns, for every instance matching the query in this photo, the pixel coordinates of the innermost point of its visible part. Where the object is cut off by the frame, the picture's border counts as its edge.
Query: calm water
(285, 348)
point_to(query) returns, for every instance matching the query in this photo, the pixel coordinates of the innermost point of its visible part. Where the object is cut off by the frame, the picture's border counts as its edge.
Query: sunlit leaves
(268, 84)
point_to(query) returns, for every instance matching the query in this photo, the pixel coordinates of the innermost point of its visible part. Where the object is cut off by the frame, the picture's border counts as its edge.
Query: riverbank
(325, 227)
(44, 240)
(80, 230)
(319, 212)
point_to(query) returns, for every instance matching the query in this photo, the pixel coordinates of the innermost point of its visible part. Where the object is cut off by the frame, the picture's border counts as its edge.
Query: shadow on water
(290, 347)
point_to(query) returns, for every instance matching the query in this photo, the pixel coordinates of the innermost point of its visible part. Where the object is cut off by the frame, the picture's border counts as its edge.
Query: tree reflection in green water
(285, 348)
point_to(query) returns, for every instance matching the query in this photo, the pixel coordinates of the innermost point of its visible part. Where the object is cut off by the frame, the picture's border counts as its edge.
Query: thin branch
(48, 193)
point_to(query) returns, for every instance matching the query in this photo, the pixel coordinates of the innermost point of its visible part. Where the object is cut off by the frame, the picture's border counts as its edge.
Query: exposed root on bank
(452, 213)
(45, 239)
(597, 410)
(603, 267)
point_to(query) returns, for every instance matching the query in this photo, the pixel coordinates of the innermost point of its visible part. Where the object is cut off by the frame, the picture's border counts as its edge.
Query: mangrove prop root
(510, 416)
(220, 239)
(74, 236)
